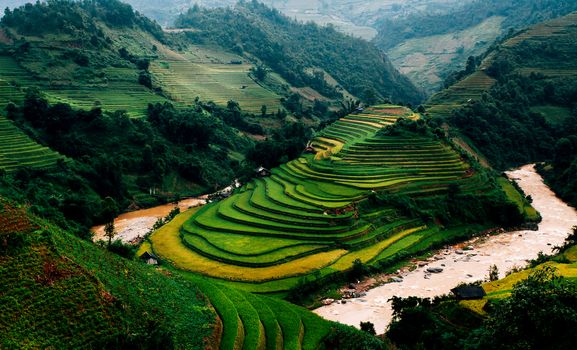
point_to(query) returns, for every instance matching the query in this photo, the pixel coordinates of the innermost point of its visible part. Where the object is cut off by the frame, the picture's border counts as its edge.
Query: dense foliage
(540, 314)
(519, 14)
(117, 156)
(76, 17)
(292, 49)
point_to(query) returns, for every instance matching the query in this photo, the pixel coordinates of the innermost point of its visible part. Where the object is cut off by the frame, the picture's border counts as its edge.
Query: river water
(506, 250)
(137, 223)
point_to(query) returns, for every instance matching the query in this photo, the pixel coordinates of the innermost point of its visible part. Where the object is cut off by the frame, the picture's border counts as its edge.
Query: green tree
(109, 212)
(493, 273)
(540, 314)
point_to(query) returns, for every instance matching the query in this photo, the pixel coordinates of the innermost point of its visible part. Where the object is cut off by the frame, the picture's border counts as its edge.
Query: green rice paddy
(307, 220)
(18, 151)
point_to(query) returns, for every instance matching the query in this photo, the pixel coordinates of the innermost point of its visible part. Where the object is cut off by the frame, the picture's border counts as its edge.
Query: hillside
(63, 292)
(427, 47)
(78, 79)
(519, 105)
(303, 54)
(371, 193)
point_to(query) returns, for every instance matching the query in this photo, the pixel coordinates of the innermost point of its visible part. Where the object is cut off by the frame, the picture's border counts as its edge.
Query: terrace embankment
(505, 251)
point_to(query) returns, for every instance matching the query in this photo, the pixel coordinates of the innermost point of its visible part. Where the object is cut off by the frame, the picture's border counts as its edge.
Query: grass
(17, 150)
(524, 206)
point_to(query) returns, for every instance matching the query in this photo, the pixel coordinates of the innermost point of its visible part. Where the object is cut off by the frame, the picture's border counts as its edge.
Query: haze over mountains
(426, 40)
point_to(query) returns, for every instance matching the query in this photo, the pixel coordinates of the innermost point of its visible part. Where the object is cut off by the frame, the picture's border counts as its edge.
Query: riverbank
(506, 251)
(135, 224)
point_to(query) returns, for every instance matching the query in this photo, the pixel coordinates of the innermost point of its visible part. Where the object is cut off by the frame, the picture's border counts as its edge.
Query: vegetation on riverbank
(531, 309)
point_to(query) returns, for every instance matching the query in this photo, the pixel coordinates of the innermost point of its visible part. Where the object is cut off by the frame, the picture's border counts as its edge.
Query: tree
(368, 327)
(540, 314)
(260, 72)
(493, 273)
(109, 231)
(109, 212)
(263, 110)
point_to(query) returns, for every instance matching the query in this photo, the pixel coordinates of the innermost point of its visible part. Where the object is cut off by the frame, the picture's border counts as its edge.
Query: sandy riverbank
(137, 223)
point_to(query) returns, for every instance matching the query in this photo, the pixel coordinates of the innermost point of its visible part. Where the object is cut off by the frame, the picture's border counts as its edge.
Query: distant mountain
(303, 54)
(428, 46)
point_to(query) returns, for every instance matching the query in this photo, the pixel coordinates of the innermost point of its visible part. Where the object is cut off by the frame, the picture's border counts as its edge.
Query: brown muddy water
(505, 250)
(137, 223)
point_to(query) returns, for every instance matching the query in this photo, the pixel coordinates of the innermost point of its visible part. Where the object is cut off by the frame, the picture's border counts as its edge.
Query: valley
(210, 183)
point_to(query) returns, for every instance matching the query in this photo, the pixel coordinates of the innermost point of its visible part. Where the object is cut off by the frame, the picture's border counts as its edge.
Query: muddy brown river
(137, 223)
(506, 250)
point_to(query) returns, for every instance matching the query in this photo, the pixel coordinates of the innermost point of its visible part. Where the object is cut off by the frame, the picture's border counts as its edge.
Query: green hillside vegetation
(62, 292)
(461, 32)
(71, 51)
(291, 49)
(17, 150)
(67, 293)
(100, 61)
(376, 190)
(106, 55)
(527, 103)
(112, 155)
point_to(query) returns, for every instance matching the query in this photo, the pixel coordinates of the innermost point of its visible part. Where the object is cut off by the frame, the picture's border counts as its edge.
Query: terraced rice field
(121, 91)
(248, 321)
(459, 94)
(309, 219)
(194, 75)
(17, 150)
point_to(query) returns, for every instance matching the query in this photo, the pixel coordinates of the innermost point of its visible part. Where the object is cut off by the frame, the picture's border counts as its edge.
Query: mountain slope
(292, 49)
(429, 46)
(519, 106)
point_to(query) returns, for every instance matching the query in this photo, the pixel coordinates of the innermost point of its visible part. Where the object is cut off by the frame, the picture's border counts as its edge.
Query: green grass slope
(17, 150)
(61, 292)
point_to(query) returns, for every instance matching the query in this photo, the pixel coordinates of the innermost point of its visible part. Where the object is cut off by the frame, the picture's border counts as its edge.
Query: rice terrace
(317, 215)
(224, 176)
